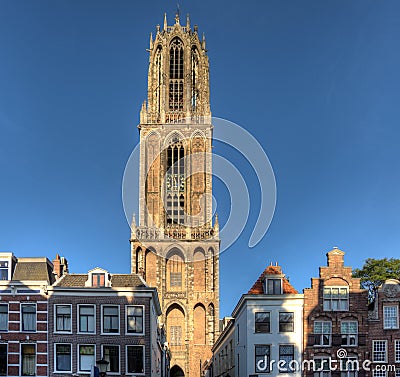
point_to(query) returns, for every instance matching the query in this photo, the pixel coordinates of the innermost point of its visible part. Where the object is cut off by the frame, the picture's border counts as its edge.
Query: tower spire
(187, 22)
(165, 22)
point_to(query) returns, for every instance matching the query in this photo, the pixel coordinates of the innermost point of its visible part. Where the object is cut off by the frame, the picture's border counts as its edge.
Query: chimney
(60, 266)
(57, 266)
(335, 257)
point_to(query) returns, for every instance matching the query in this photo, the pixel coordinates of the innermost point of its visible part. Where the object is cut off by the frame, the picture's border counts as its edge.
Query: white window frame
(397, 351)
(78, 359)
(385, 325)
(373, 351)
(126, 360)
(293, 322)
(8, 312)
(79, 319)
(321, 334)
(55, 319)
(339, 300)
(7, 268)
(102, 319)
(126, 320)
(379, 373)
(21, 357)
(269, 322)
(21, 314)
(55, 357)
(349, 336)
(119, 356)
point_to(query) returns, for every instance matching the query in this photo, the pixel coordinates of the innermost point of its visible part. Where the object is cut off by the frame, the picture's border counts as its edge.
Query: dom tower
(175, 246)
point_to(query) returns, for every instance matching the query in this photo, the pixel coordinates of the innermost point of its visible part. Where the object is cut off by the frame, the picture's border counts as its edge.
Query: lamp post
(102, 365)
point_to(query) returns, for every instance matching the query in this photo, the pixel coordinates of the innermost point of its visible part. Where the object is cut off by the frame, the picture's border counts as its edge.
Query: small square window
(262, 322)
(286, 321)
(134, 319)
(273, 286)
(110, 319)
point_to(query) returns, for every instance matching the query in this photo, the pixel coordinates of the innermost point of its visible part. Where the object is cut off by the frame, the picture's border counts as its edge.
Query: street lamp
(102, 365)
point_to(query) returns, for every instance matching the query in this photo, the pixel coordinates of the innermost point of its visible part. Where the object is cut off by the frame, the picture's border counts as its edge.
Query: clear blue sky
(316, 82)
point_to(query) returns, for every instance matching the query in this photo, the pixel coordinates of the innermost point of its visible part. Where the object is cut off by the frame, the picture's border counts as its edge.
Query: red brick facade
(335, 315)
(384, 334)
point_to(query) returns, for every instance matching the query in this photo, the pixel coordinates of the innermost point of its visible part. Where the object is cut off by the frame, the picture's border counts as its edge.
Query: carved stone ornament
(391, 290)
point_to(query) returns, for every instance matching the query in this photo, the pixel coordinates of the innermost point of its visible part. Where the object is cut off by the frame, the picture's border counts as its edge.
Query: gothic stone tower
(175, 246)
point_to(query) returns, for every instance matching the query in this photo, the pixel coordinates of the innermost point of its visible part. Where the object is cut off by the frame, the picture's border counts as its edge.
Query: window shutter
(310, 340)
(362, 341)
(336, 340)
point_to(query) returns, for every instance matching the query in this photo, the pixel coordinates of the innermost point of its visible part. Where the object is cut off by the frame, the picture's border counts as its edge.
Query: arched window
(175, 184)
(176, 325)
(140, 261)
(199, 319)
(199, 273)
(157, 76)
(175, 271)
(195, 78)
(211, 323)
(176, 75)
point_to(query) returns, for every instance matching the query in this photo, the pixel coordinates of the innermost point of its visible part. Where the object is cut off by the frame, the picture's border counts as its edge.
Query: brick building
(23, 315)
(335, 317)
(384, 334)
(101, 315)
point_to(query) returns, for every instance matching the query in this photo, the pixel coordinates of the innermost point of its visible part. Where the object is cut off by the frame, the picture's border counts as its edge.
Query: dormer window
(98, 279)
(273, 286)
(4, 270)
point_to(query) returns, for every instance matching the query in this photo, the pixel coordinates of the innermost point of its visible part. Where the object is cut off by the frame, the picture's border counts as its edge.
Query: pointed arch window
(158, 78)
(175, 184)
(195, 78)
(176, 75)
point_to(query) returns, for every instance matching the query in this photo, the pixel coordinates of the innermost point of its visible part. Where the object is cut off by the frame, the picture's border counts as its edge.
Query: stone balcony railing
(174, 231)
(175, 117)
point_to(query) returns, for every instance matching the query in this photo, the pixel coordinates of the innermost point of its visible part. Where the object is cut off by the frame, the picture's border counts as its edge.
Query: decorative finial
(187, 22)
(133, 227)
(165, 21)
(216, 226)
(177, 17)
(203, 42)
(151, 41)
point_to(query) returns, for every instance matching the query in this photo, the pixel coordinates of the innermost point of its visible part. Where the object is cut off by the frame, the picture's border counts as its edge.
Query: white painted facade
(246, 338)
(258, 346)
